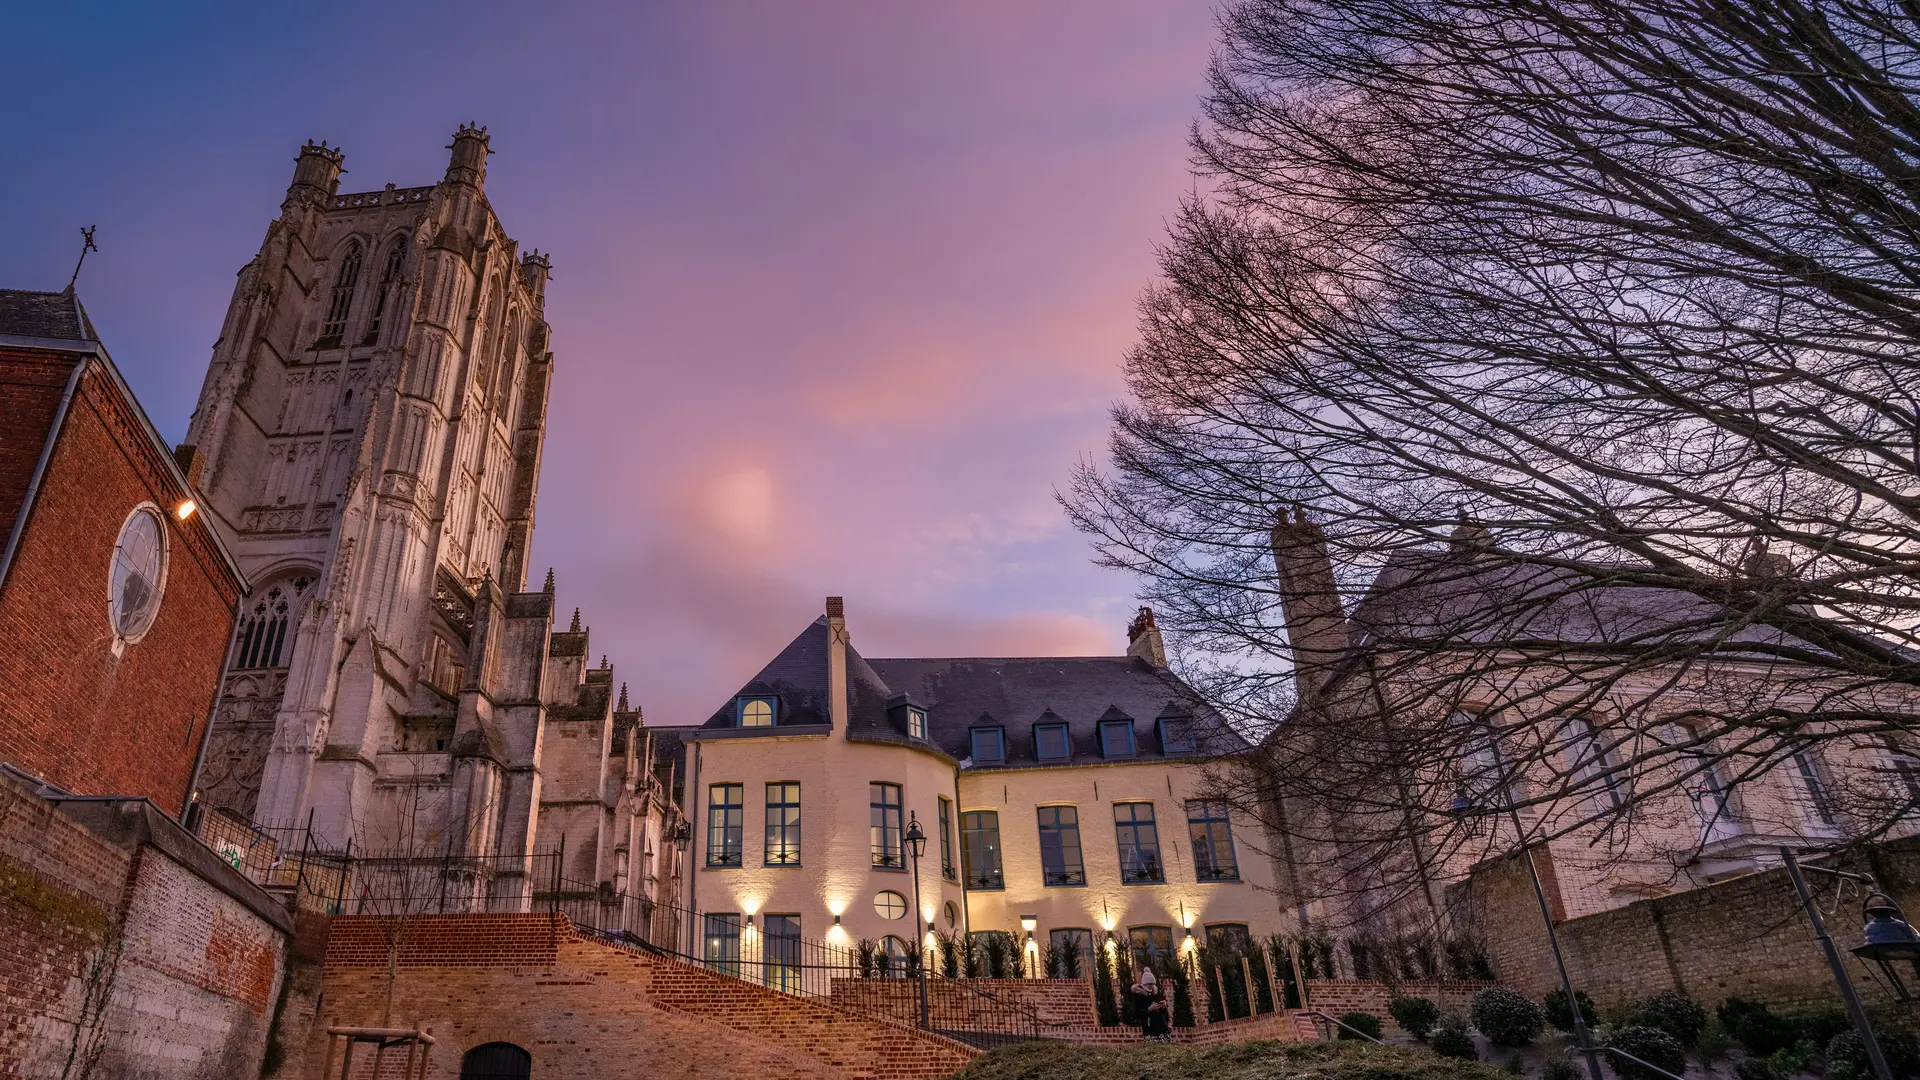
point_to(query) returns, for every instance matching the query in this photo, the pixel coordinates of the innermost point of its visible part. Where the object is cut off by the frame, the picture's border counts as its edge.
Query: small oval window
(889, 904)
(138, 574)
(953, 913)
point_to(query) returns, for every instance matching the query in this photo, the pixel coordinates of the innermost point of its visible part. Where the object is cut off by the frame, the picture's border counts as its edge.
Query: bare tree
(1587, 331)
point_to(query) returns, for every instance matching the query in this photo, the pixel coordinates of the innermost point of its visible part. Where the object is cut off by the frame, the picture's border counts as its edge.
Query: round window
(138, 574)
(889, 904)
(953, 913)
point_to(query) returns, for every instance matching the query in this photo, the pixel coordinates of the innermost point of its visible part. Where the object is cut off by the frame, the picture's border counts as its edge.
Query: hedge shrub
(1366, 1023)
(1674, 1013)
(1415, 1015)
(1560, 1014)
(1651, 1045)
(1450, 1039)
(1507, 1017)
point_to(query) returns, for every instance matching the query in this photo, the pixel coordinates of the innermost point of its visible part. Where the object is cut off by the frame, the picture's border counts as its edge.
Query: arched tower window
(260, 641)
(496, 1061)
(509, 360)
(389, 276)
(342, 302)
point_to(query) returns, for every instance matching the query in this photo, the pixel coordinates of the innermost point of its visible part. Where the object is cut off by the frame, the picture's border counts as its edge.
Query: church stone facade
(368, 442)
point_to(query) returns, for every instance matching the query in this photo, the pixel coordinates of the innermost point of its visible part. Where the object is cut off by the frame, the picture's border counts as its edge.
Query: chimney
(1310, 601)
(1143, 639)
(468, 165)
(837, 661)
(316, 172)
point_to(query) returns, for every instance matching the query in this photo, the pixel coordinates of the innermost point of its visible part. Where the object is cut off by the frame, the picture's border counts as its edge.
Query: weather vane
(86, 234)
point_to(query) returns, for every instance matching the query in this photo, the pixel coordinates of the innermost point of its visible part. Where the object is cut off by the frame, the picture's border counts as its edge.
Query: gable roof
(796, 676)
(52, 316)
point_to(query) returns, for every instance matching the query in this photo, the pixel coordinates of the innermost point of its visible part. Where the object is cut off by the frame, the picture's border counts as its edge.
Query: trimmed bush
(1651, 1045)
(1674, 1013)
(1450, 1039)
(1560, 1067)
(1365, 1023)
(1415, 1015)
(1507, 1017)
(1764, 1033)
(1756, 1068)
(1560, 1014)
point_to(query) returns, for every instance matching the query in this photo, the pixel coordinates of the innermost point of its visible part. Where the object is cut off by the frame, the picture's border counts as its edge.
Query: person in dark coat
(1156, 1019)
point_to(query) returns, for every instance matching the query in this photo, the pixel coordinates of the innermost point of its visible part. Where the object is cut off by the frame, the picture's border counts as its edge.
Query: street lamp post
(1854, 1011)
(916, 845)
(682, 837)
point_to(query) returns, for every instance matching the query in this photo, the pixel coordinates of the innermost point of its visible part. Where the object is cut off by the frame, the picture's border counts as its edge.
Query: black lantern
(916, 840)
(1889, 942)
(682, 836)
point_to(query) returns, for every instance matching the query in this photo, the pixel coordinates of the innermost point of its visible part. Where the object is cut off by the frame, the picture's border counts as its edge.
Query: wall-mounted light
(836, 920)
(1028, 922)
(185, 509)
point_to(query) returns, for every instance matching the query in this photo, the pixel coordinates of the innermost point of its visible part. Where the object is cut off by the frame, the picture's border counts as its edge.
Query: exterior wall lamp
(1888, 941)
(916, 841)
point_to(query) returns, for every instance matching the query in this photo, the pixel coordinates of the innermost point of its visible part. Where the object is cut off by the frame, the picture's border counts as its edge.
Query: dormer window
(989, 745)
(1050, 742)
(758, 711)
(1176, 736)
(916, 723)
(1116, 738)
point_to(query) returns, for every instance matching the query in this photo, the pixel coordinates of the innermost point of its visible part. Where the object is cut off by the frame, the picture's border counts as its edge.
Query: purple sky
(841, 291)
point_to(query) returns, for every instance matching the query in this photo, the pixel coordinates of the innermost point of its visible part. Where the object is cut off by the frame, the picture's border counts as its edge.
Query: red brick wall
(69, 709)
(122, 961)
(31, 383)
(1336, 997)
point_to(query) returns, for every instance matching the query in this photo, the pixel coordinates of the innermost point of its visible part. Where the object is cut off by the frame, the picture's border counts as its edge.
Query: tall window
(1211, 835)
(781, 953)
(341, 303)
(723, 943)
(1152, 947)
(1070, 953)
(883, 820)
(261, 639)
(1819, 795)
(1060, 861)
(1139, 843)
(783, 824)
(980, 847)
(1050, 742)
(1591, 763)
(917, 723)
(137, 573)
(946, 839)
(389, 276)
(895, 958)
(989, 745)
(1116, 738)
(726, 813)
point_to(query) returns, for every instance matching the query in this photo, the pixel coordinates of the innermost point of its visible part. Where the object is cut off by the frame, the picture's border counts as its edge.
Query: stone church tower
(368, 441)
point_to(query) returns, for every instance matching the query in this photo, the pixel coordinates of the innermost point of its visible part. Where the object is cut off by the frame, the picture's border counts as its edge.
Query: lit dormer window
(757, 711)
(917, 723)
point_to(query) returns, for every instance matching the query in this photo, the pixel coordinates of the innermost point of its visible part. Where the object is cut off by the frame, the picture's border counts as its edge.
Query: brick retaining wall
(1336, 997)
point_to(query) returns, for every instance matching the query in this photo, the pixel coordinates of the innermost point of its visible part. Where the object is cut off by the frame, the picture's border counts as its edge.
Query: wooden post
(1299, 977)
(1246, 976)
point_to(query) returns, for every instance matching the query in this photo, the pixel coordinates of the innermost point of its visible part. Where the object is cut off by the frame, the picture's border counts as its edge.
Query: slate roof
(960, 693)
(1479, 597)
(60, 316)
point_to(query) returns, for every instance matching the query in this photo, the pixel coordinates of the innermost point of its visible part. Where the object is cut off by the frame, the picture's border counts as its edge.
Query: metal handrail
(1639, 1062)
(1335, 1020)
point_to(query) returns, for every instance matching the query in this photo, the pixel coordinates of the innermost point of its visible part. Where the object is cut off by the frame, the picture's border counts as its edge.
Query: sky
(841, 290)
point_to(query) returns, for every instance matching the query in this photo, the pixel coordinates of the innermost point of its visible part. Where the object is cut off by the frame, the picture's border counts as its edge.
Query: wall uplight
(1028, 922)
(185, 509)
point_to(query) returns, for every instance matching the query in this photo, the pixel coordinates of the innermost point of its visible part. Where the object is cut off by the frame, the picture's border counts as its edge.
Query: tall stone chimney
(837, 662)
(1310, 600)
(1143, 639)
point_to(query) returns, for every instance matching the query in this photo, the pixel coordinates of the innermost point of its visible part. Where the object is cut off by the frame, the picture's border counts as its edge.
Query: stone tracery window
(341, 303)
(260, 641)
(137, 574)
(389, 276)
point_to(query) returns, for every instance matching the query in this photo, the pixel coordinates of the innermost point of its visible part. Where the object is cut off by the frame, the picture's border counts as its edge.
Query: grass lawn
(1238, 1061)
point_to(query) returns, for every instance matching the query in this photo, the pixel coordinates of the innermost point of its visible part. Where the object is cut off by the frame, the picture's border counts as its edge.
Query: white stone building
(368, 442)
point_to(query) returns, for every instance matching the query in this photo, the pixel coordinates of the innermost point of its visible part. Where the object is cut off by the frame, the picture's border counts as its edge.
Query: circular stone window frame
(882, 912)
(120, 639)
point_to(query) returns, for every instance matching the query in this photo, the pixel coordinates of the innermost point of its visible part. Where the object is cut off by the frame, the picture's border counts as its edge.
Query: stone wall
(586, 1009)
(127, 948)
(1337, 997)
(1747, 937)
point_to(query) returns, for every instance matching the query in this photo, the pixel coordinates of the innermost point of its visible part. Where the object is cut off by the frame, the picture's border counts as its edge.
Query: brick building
(116, 597)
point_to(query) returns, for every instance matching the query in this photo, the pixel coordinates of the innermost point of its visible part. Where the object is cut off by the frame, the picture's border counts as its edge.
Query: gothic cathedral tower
(368, 441)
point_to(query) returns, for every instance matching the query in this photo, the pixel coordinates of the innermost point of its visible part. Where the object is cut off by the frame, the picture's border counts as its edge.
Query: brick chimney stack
(1310, 600)
(837, 662)
(1143, 639)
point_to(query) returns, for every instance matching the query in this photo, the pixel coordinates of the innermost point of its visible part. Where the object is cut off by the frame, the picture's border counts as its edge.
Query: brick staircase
(589, 1008)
